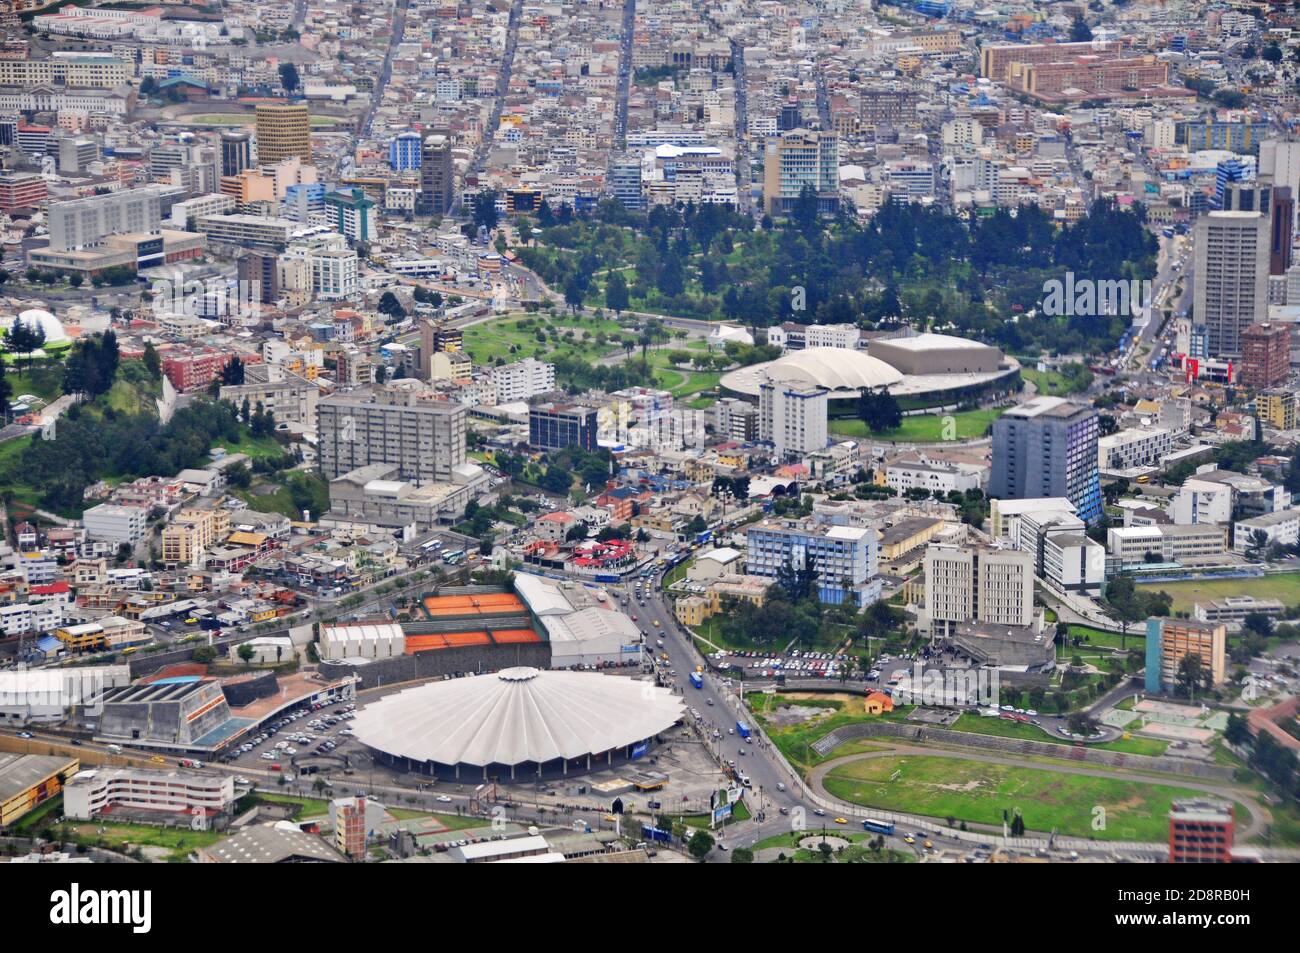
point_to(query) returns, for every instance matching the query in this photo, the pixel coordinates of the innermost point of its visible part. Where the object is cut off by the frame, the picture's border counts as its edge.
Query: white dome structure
(837, 369)
(55, 337)
(556, 721)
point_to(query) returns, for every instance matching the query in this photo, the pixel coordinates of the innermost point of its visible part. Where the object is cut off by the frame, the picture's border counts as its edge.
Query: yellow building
(1277, 408)
(1169, 641)
(29, 780)
(81, 637)
(692, 611)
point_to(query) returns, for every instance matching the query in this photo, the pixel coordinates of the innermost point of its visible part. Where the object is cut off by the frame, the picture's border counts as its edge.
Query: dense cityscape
(658, 431)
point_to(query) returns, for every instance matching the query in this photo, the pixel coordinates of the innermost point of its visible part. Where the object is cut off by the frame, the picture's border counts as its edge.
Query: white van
(115, 749)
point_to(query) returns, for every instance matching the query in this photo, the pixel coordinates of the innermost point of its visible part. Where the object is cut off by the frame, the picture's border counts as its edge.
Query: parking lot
(291, 742)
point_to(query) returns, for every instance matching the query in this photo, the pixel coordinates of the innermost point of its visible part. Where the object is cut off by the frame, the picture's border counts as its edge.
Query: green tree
(616, 295)
(700, 844)
(289, 77)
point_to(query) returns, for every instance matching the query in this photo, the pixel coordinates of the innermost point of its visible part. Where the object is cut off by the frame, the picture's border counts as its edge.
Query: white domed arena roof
(38, 317)
(835, 368)
(516, 716)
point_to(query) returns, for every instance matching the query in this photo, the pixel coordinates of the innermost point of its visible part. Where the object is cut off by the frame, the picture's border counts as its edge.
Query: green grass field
(979, 792)
(1284, 586)
(486, 342)
(923, 428)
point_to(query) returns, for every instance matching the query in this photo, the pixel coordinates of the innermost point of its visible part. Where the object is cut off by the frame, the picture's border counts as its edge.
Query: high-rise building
(792, 416)
(1169, 641)
(1230, 288)
(797, 159)
(84, 223)
(994, 586)
(423, 437)
(522, 380)
(1282, 224)
(1048, 447)
(353, 215)
(437, 176)
(257, 269)
(283, 130)
(350, 827)
(625, 181)
(1265, 355)
(236, 152)
(435, 337)
(1201, 831)
(404, 152)
(844, 558)
(1279, 160)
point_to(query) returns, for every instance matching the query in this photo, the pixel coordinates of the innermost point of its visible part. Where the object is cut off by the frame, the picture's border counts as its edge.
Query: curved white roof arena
(516, 716)
(835, 368)
(38, 317)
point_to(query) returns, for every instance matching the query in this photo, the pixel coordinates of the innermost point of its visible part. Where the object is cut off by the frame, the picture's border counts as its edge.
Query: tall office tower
(1048, 447)
(424, 438)
(1169, 641)
(797, 159)
(283, 130)
(1230, 288)
(625, 181)
(259, 270)
(1279, 159)
(792, 416)
(437, 176)
(404, 152)
(236, 152)
(84, 223)
(994, 586)
(1283, 227)
(1265, 355)
(1230, 171)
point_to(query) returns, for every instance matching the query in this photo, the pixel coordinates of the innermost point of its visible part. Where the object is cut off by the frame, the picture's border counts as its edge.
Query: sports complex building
(517, 723)
(925, 370)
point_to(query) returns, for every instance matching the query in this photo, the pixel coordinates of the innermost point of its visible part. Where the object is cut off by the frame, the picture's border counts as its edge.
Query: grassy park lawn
(796, 740)
(978, 793)
(1283, 585)
(1099, 638)
(124, 837)
(453, 822)
(254, 448)
(492, 339)
(922, 428)
(860, 839)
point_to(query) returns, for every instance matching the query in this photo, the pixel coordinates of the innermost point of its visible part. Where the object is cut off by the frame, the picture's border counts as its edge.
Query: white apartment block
(116, 524)
(1198, 502)
(90, 793)
(23, 617)
(792, 416)
(522, 380)
(977, 585)
(1282, 527)
(935, 477)
(1129, 545)
(1003, 513)
(1137, 447)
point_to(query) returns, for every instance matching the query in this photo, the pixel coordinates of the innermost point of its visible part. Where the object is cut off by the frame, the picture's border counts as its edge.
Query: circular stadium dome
(517, 722)
(55, 337)
(837, 369)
